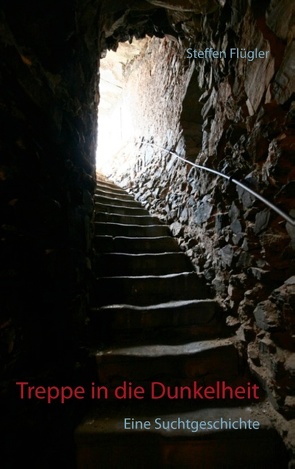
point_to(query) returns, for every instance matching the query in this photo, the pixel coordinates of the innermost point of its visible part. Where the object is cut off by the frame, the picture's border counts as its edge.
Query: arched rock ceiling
(125, 20)
(196, 6)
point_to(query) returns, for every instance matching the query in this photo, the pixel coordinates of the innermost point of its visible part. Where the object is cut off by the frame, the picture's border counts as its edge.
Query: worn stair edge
(117, 229)
(158, 351)
(116, 201)
(146, 290)
(116, 193)
(108, 192)
(120, 210)
(117, 264)
(165, 335)
(110, 187)
(107, 182)
(172, 314)
(207, 362)
(126, 219)
(169, 323)
(135, 245)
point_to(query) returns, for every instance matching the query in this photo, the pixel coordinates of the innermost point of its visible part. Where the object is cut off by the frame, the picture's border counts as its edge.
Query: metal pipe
(284, 215)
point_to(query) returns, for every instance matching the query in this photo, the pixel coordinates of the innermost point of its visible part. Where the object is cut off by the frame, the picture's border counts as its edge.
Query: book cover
(147, 234)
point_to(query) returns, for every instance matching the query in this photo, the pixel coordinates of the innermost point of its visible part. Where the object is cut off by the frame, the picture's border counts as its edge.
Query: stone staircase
(153, 321)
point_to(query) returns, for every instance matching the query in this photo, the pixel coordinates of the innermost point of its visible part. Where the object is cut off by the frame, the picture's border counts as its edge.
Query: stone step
(116, 264)
(160, 327)
(107, 243)
(172, 314)
(114, 209)
(204, 361)
(172, 322)
(116, 193)
(127, 201)
(126, 219)
(120, 229)
(148, 290)
(107, 183)
(106, 435)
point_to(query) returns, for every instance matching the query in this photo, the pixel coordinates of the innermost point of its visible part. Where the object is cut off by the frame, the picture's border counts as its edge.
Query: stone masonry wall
(243, 249)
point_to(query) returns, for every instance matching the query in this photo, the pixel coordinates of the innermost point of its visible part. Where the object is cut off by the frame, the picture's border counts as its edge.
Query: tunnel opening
(149, 97)
(122, 117)
(116, 119)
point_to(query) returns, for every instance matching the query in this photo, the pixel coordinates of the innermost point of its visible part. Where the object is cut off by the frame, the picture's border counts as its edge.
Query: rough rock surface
(244, 250)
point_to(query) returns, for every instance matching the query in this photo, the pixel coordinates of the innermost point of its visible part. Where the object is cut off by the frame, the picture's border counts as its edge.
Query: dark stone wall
(50, 55)
(48, 131)
(48, 110)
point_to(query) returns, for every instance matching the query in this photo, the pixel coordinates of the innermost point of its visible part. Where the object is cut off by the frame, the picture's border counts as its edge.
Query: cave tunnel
(205, 380)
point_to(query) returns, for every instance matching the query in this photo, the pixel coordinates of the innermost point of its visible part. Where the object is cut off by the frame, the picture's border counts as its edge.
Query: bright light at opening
(115, 125)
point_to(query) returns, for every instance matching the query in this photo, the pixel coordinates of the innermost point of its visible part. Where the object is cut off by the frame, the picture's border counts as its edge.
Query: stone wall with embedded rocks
(243, 249)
